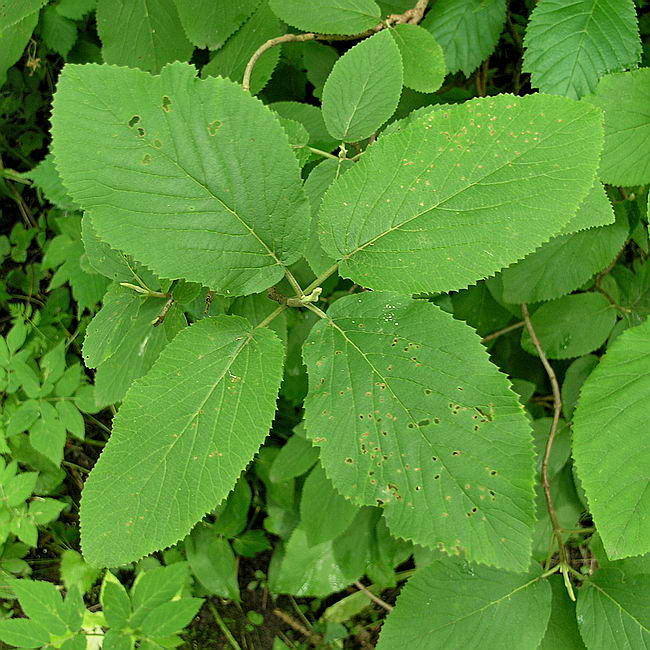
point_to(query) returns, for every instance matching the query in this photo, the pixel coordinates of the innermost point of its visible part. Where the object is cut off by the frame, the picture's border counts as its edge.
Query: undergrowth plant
(387, 238)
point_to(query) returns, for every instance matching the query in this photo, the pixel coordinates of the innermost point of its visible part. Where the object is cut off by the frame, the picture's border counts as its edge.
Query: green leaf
(318, 59)
(231, 516)
(574, 378)
(562, 631)
(77, 642)
(626, 156)
(476, 306)
(230, 61)
(154, 587)
(251, 543)
(143, 34)
(43, 511)
(58, 33)
(170, 618)
(213, 562)
(19, 488)
(570, 46)
(208, 23)
(23, 633)
(13, 12)
(571, 326)
(467, 30)
(453, 604)
(328, 16)
(363, 89)
(324, 513)
(122, 343)
(422, 58)
(157, 199)
(41, 601)
(115, 602)
(47, 435)
(595, 210)
(73, 609)
(612, 611)
(115, 640)
(311, 118)
(71, 418)
(430, 430)
(14, 38)
(295, 458)
(461, 192)
(200, 413)
(75, 9)
(47, 179)
(608, 423)
(76, 572)
(563, 264)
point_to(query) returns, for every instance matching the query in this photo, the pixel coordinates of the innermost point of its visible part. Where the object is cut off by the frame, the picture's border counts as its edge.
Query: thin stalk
(320, 152)
(293, 282)
(223, 627)
(316, 311)
(375, 599)
(272, 316)
(500, 332)
(321, 278)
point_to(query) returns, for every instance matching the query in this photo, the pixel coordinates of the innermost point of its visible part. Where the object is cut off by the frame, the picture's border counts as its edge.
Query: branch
(411, 17)
(165, 310)
(505, 330)
(375, 599)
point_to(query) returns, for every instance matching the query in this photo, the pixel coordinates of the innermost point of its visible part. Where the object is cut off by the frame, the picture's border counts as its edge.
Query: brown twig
(208, 301)
(375, 599)
(411, 17)
(314, 639)
(557, 411)
(481, 78)
(165, 310)
(504, 330)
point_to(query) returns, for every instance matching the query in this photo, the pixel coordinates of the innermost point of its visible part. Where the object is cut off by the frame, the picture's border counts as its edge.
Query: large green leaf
(613, 611)
(208, 23)
(423, 424)
(12, 12)
(563, 264)
(467, 30)
(363, 89)
(122, 343)
(570, 45)
(624, 97)
(610, 444)
(183, 435)
(461, 192)
(145, 34)
(328, 16)
(451, 605)
(562, 631)
(194, 178)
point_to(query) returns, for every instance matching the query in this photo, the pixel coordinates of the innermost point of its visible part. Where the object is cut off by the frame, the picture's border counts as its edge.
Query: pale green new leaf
(425, 426)
(467, 30)
(563, 264)
(178, 172)
(461, 192)
(451, 605)
(122, 343)
(208, 23)
(610, 444)
(613, 611)
(231, 59)
(328, 16)
(571, 326)
(422, 58)
(143, 34)
(363, 89)
(570, 45)
(625, 98)
(183, 435)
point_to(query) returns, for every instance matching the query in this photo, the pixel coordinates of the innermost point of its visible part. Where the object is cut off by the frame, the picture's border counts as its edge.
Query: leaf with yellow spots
(409, 413)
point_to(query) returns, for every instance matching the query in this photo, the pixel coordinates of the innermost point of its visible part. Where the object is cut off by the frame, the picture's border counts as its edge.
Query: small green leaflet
(467, 30)
(461, 192)
(613, 612)
(363, 89)
(570, 45)
(427, 428)
(182, 437)
(176, 172)
(141, 33)
(453, 605)
(328, 16)
(609, 421)
(624, 98)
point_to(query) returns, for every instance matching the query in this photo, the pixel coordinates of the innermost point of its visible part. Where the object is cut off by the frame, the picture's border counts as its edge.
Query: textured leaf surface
(231, 59)
(613, 611)
(452, 605)
(571, 326)
(625, 100)
(569, 46)
(122, 343)
(562, 631)
(208, 23)
(461, 192)
(176, 171)
(611, 447)
(595, 210)
(424, 425)
(467, 30)
(422, 58)
(183, 435)
(13, 40)
(12, 12)
(563, 264)
(328, 16)
(363, 89)
(145, 34)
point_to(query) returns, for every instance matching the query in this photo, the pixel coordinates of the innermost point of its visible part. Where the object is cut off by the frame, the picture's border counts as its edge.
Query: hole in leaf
(166, 104)
(214, 126)
(141, 132)
(349, 461)
(424, 423)
(455, 453)
(157, 143)
(146, 159)
(133, 121)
